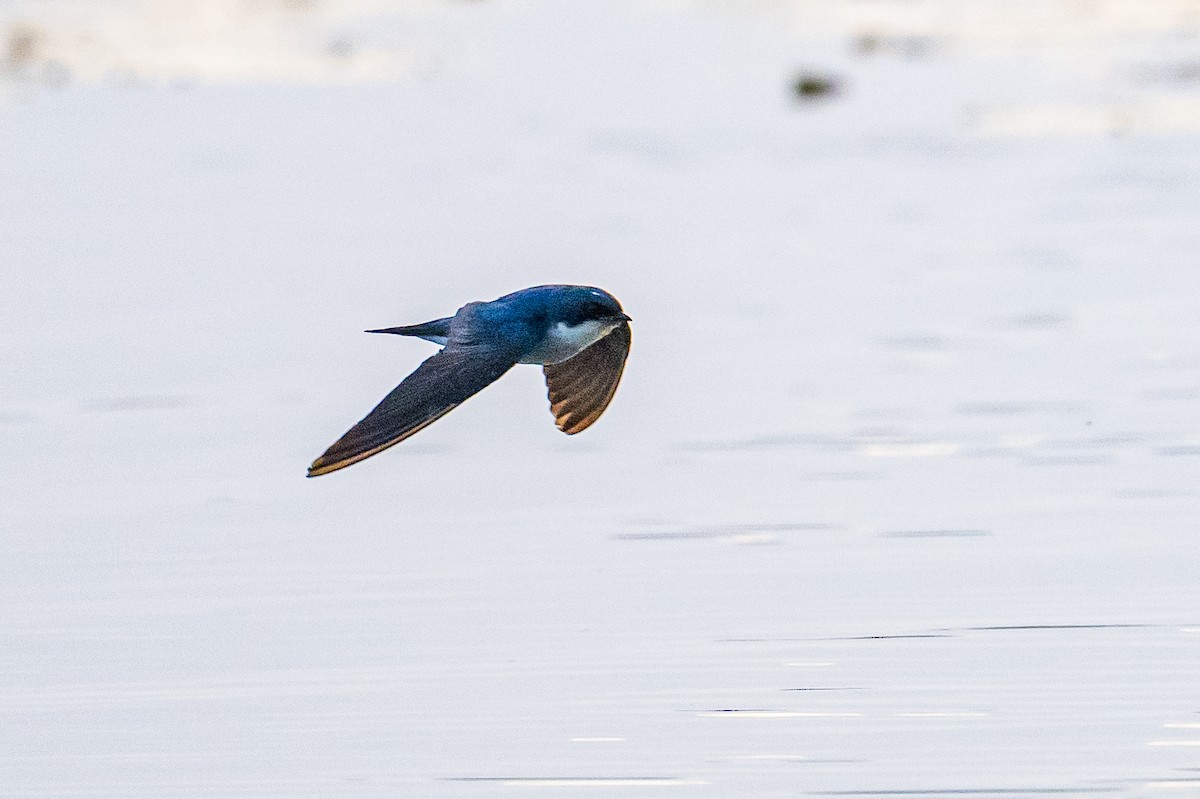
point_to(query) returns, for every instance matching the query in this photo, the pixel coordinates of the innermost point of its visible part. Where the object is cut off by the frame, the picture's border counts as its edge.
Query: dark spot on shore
(873, 43)
(23, 56)
(23, 45)
(811, 86)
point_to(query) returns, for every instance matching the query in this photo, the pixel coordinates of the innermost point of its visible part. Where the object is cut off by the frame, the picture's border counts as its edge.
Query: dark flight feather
(581, 387)
(438, 386)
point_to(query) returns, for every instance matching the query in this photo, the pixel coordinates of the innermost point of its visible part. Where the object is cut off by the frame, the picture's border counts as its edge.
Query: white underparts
(563, 341)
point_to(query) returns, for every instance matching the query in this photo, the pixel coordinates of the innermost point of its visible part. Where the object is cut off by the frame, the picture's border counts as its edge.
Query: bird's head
(575, 305)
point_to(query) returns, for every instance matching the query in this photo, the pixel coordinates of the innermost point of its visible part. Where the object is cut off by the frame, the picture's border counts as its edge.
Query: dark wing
(581, 387)
(437, 387)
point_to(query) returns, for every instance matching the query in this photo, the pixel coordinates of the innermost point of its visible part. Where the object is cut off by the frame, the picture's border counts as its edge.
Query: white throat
(563, 341)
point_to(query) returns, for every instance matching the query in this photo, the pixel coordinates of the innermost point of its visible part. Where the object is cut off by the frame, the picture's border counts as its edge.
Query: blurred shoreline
(1119, 67)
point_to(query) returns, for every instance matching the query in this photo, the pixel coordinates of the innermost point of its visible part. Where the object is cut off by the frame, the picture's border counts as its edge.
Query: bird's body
(564, 341)
(578, 334)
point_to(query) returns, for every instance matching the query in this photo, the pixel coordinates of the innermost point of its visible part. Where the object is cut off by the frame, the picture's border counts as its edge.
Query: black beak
(624, 317)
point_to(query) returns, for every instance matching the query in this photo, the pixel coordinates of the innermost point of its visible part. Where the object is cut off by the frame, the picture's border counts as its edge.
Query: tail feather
(437, 329)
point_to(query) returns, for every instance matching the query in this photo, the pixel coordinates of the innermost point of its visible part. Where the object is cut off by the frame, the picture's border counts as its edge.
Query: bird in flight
(578, 334)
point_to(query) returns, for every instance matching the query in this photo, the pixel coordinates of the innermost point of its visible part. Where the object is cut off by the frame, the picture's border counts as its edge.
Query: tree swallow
(578, 334)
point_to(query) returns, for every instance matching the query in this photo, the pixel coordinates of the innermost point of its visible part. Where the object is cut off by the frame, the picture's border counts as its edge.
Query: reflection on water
(584, 782)
(970, 792)
(144, 403)
(734, 532)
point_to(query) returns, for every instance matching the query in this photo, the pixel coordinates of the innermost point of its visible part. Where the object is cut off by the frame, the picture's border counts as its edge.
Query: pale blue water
(898, 497)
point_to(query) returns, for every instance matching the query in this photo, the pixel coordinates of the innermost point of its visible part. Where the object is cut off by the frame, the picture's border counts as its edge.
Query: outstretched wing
(581, 387)
(438, 386)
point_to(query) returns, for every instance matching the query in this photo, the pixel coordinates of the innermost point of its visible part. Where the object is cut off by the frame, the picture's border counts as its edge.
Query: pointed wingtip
(321, 466)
